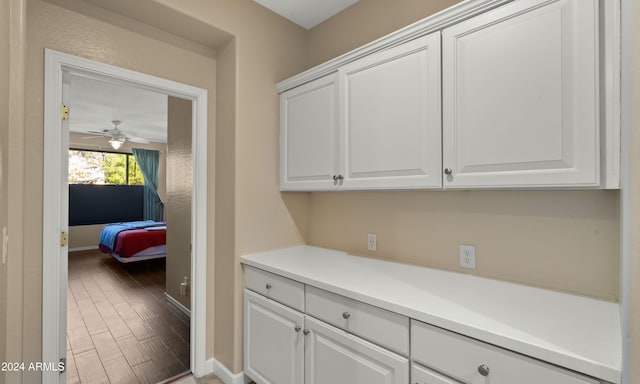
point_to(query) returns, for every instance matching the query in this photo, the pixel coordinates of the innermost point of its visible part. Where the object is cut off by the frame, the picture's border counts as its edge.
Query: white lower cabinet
(333, 356)
(273, 343)
(285, 346)
(379, 326)
(472, 361)
(332, 339)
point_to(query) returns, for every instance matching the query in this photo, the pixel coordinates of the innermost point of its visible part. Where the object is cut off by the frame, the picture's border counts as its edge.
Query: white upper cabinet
(521, 97)
(390, 117)
(308, 134)
(381, 131)
(486, 94)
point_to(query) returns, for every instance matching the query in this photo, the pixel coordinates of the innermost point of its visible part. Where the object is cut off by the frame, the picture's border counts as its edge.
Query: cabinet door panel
(390, 117)
(334, 356)
(273, 348)
(520, 94)
(308, 153)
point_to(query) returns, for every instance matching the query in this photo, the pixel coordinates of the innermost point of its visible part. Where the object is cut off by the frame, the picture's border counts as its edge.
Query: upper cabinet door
(308, 134)
(390, 118)
(521, 97)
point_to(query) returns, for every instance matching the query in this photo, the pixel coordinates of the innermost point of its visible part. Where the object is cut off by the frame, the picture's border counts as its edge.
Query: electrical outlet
(184, 286)
(372, 241)
(468, 256)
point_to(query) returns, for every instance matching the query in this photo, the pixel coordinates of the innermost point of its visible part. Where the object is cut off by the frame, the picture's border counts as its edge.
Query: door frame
(55, 221)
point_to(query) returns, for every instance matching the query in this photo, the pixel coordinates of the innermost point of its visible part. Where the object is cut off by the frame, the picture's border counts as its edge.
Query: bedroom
(129, 311)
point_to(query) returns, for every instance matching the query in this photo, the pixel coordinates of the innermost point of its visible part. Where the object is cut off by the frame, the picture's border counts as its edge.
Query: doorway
(58, 68)
(127, 316)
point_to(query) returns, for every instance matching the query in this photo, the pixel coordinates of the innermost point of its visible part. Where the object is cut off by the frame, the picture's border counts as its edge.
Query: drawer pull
(306, 332)
(483, 370)
(346, 315)
(268, 286)
(297, 328)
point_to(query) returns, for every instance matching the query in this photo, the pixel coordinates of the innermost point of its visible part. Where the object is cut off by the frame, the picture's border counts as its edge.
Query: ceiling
(93, 104)
(307, 13)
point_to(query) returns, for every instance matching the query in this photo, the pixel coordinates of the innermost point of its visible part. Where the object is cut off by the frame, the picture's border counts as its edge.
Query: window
(95, 167)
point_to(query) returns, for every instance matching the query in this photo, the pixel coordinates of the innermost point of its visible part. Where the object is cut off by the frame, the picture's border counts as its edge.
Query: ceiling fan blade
(138, 140)
(99, 133)
(93, 137)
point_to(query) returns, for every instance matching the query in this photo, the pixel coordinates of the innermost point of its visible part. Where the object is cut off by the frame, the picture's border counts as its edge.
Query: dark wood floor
(120, 328)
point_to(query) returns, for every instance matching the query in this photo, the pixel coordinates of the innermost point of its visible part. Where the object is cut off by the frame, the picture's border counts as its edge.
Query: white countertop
(574, 332)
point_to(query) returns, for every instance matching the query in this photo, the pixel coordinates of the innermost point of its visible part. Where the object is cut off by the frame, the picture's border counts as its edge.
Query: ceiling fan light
(115, 144)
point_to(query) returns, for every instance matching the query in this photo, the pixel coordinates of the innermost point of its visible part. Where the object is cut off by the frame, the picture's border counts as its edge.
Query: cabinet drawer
(278, 288)
(383, 327)
(461, 357)
(423, 375)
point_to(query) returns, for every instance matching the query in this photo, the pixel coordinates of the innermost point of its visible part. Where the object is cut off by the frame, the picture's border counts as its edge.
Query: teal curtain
(148, 161)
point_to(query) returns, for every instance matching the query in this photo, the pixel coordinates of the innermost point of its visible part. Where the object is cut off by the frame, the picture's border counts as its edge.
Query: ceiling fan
(117, 137)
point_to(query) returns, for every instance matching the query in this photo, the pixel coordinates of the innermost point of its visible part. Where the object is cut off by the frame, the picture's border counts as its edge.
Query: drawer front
(286, 291)
(380, 326)
(423, 375)
(461, 358)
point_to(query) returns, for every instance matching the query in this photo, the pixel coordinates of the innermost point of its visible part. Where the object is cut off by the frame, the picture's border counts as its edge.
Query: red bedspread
(130, 242)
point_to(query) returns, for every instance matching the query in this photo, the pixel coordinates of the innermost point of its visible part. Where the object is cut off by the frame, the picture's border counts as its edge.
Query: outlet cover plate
(372, 241)
(468, 256)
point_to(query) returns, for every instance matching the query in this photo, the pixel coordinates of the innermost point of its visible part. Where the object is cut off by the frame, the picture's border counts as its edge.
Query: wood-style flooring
(190, 379)
(120, 328)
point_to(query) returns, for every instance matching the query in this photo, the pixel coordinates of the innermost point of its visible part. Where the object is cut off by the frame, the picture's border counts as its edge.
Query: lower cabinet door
(273, 341)
(333, 356)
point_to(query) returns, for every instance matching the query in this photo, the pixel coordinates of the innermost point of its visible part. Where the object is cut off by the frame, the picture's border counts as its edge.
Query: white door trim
(54, 257)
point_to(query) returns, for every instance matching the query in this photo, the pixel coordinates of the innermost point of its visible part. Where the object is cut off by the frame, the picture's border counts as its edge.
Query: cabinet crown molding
(435, 22)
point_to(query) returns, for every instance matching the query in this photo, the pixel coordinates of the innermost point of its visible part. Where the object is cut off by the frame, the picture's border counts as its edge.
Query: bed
(134, 241)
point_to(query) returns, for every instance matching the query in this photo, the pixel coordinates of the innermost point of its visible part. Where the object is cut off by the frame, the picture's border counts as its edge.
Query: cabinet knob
(448, 171)
(335, 177)
(306, 332)
(340, 177)
(346, 315)
(483, 370)
(268, 286)
(297, 328)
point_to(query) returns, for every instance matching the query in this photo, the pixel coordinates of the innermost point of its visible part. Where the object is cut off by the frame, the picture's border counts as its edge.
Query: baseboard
(224, 374)
(177, 304)
(209, 366)
(89, 248)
